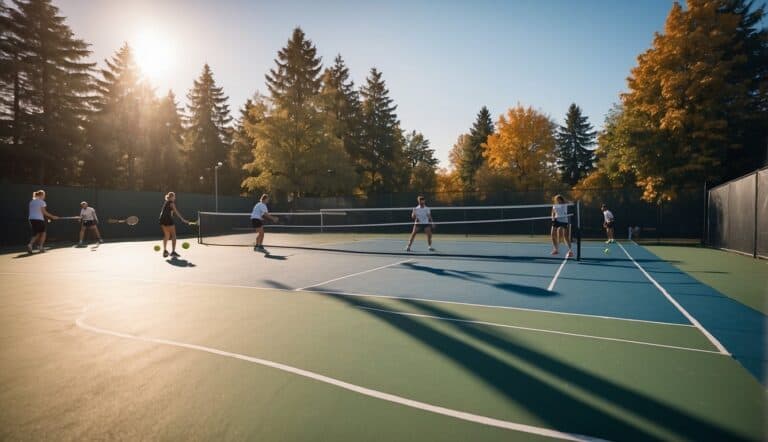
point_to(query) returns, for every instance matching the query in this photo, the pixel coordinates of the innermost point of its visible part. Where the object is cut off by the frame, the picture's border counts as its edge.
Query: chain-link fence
(737, 215)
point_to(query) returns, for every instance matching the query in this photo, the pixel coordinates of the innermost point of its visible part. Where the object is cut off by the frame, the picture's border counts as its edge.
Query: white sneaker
(407, 249)
(80, 243)
(431, 249)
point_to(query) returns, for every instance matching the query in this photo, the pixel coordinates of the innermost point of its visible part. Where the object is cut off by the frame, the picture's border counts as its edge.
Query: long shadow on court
(561, 409)
(477, 277)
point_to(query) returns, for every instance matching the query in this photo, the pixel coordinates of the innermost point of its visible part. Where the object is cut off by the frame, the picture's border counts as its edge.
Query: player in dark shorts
(561, 227)
(608, 222)
(37, 215)
(168, 226)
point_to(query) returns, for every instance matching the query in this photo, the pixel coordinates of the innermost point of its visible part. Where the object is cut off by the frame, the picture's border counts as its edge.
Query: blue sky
(442, 60)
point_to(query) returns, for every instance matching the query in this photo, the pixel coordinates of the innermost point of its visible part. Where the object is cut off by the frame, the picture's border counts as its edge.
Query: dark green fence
(65, 201)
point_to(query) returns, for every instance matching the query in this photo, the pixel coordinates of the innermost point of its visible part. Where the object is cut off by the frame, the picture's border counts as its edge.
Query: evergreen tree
(470, 157)
(295, 151)
(341, 103)
(9, 91)
(575, 159)
(381, 138)
(241, 156)
(48, 85)
(165, 165)
(208, 136)
(421, 163)
(697, 98)
(119, 130)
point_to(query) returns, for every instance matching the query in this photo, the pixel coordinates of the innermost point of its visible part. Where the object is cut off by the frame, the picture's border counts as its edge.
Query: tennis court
(346, 337)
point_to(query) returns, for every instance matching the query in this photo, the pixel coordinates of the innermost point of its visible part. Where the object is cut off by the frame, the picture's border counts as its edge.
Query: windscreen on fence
(737, 215)
(762, 213)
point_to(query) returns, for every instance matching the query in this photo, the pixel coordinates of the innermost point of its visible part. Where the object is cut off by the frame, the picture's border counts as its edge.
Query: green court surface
(740, 277)
(119, 343)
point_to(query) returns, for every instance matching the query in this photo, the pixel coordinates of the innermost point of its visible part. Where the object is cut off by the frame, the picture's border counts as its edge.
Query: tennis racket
(131, 220)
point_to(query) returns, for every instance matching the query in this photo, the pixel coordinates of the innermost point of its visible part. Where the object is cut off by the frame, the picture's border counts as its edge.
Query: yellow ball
(607, 251)
(157, 248)
(185, 245)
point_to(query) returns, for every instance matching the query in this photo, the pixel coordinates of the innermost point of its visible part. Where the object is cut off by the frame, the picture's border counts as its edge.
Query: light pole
(216, 183)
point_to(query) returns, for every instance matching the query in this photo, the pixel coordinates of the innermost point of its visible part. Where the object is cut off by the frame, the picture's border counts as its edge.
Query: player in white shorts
(422, 218)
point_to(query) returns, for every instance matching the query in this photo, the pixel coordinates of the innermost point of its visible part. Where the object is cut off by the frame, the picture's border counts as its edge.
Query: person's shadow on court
(179, 262)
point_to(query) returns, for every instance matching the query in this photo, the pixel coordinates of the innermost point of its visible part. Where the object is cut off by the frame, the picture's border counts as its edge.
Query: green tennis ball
(157, 248)
(185, 245)
(607, 251)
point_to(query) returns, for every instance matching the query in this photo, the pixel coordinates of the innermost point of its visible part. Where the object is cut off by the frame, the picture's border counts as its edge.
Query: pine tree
(523, 148)
(208, 136)
(381, 137)
(165, 165)
(50, 86)
(697, 98)
(243, 143)
(119, 130)
(295, 151)
(470, 158)
(421, 163)
(341, 102)
(575, 159)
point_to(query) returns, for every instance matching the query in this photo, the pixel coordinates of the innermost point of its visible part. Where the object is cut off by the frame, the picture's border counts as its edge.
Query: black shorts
(89, 223)
(37, 226)
(256, 223)
(422, 227)
(609, 225)
(166, 222)
(556, 224)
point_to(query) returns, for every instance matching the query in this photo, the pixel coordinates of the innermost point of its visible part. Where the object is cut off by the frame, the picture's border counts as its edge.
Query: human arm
(48, 214)
(176, 211)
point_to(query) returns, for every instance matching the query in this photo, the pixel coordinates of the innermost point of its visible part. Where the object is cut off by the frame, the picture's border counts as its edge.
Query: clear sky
(442, 59)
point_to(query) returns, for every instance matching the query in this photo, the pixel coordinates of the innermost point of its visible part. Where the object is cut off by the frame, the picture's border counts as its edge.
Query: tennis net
(457, 230)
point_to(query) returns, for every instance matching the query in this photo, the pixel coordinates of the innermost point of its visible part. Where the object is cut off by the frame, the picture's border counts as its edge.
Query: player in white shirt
(561, 226)
(261, 211)
(422, 218)
(37, 215)
(89, 221)
(608, 221)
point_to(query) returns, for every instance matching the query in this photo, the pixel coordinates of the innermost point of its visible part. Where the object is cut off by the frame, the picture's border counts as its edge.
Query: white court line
(354, 274)
(674, 302)
(541, 330)
(557, 274)
(339, 293)
(483, 420)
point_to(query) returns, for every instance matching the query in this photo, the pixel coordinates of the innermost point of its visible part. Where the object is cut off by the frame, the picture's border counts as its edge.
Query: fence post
(705, 224)
(754, 238)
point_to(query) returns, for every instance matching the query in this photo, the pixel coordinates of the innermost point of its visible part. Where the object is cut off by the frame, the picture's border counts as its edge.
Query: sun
(154, 53)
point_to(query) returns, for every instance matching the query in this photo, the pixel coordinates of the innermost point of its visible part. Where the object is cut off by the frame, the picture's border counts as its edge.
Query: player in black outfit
(167, 224)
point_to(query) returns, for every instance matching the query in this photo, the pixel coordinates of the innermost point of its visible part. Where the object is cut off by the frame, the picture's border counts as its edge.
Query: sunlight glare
(154, 53)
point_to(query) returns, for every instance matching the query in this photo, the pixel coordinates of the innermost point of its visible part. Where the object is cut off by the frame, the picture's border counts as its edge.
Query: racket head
(132, 220)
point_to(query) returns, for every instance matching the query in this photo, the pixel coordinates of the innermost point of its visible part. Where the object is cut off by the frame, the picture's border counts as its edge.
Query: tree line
(695, 111)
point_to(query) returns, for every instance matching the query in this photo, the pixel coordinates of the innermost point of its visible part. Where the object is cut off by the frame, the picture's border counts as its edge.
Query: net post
(322, 223)
(578, 230)
(199, 236)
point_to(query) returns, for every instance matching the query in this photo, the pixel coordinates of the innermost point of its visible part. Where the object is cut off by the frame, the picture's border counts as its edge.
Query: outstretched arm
(176, 211)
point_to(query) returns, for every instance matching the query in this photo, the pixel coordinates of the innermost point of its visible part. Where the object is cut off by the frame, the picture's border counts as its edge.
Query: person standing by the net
(37, 215)
(168, 226)
(88, 221)
(561, 227)
(260, 211)
(608, 222)
(422, 218)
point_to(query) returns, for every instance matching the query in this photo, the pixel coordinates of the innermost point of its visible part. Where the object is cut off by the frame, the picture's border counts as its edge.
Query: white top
(88, 214)
(561, 212)
(259, 210)
(36, 209)
(608, 215)
(421, 214)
